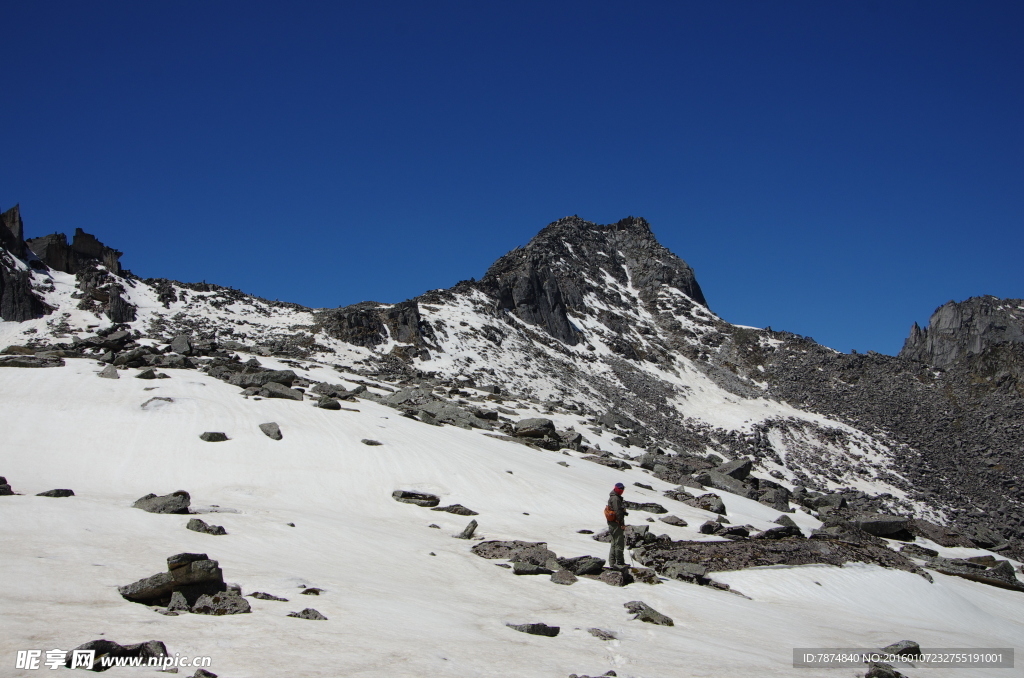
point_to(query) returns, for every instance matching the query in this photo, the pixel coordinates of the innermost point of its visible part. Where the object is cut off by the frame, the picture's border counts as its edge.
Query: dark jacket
(616, 504)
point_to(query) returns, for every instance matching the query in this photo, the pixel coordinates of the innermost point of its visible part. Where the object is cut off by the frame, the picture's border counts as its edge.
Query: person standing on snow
(615, 514)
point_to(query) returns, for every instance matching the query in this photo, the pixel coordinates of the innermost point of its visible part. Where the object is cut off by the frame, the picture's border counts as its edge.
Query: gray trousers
(615, 557)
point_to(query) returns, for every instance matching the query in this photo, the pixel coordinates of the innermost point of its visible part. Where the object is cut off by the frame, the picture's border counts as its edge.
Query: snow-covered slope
(401, 598)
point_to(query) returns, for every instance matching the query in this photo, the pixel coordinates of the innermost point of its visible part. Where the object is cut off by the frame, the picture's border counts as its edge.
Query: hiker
(615, 514)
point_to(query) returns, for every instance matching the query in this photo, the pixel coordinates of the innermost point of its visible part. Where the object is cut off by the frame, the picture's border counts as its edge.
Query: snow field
(392, 608)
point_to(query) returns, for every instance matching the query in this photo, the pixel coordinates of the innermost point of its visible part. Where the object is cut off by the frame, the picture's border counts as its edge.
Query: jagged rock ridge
(959, 329)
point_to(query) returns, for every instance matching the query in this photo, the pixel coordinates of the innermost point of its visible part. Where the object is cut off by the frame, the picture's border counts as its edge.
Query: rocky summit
(589, 356)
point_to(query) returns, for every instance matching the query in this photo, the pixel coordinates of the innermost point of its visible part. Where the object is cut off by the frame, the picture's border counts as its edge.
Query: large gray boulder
(192, 574)
(723, 482)
(273, 389)
(534, 428)
(197, 525)
(708, 502)
(308, 613)
(258, 376)
(738, 469)
(213, 436)
(882, 525)
(536, 553)
(225, 602)
(181, 344)
(57, 493)
(271, 430)
(108, 372)
(176, 502)
(581, 565)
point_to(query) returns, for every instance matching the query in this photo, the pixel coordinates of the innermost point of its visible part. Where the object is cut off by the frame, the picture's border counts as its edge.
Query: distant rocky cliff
(959, 329)
(87, 258)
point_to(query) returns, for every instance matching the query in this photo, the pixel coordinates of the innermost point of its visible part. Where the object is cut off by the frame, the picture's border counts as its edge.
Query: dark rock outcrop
(418, 498)
(213, 436)
(535, 553)
(225, 602)
(536, 629)
(957, 329)
(197, 525)
(57, 493)
(190, 574)
(271, 430)
(308, 613)
(176, 502)
(719, 556)
(645, 613)
(370, 324)
(54, 251)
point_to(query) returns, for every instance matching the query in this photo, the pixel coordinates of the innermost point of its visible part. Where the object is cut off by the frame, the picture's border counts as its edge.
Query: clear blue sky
(836, 169)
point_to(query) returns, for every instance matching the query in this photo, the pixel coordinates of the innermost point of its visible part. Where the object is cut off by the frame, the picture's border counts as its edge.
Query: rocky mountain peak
(572, 263)
(960, 329)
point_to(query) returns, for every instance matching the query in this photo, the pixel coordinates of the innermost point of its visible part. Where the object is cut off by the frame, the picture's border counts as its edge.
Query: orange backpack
(609, 514)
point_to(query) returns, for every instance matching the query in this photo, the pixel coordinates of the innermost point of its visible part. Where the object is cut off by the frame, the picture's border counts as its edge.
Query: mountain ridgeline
(603, 322)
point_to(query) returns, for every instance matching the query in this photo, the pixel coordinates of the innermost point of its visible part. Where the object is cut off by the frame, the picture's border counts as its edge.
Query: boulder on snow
(649, 507)
(213, 436)
(602, 634)
(31, 361)
(371, 443)
(273, 389)
(176, 502)
(674, 520)
(708, 502)
(785, 521)
(191, 574)
(534, 428)
(197, 525)
(457, 509)
(308, 613)
(266, 596)
(904, 649)
(468, 532)
(225, 602)
(108, 372)
(178, 603)
(616, 577)
(5, 488)
(108, 648)
(536, 629)
(418, 498)
(529, 568)
(646, 613)
(563, 577)
(271, 430)
(536, 553)
(581, 565)
(57, 493)
(882, 670)
(738, 470)
(326, 403)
